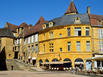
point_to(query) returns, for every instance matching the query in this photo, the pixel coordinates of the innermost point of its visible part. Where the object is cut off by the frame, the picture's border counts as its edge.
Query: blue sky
(29, 11)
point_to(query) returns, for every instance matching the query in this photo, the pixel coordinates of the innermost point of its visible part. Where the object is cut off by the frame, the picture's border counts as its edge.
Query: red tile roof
(94, 19)
(28, 29)
(12, 27)
(71, 8)
(25, 25)
(37, 27)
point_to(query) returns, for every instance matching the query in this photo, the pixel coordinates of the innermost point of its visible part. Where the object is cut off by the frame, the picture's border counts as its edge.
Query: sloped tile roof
(70, 19)
(36, 28)
(71, 8)
(25, 25)
(5, 32)
(94, 19)
(12, 27)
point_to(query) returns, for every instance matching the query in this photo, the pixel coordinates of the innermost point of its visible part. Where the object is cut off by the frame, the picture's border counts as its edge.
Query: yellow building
(67, 41)
(72, 40)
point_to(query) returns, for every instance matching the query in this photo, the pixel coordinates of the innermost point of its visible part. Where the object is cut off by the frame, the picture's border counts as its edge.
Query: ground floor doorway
(16, 55)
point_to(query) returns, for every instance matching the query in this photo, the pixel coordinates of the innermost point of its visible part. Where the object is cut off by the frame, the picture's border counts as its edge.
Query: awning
(98, 58)
(34, 58)
(79, 63)
(90, 58)
(95, 58)
(57, 62)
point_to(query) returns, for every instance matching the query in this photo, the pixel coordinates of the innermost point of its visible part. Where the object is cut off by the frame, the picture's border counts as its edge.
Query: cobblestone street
(37, 74)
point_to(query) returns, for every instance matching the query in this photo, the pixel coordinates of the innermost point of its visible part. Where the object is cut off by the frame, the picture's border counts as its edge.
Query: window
(50, 24)
(78, 45)
(101, 45)
(32, 48)
(88, 45)
(51, 35)
(77, 31)
(99, 22)
(44, 26)
(9, 55)
(68, 31)
(51, 47)
(19, 41)
(77, 20)
(87, 31)
(28, 40)
(69, 46)
(100, 33)
(32, 39)
(36, 37)
(60, 35)
(29, 48)
(60, 49)
(36, 46)
(24, 41)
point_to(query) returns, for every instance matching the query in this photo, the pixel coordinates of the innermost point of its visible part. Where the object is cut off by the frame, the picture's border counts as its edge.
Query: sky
(29, 11)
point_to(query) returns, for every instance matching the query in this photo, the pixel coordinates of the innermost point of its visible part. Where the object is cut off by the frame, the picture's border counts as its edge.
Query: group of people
(77, 69)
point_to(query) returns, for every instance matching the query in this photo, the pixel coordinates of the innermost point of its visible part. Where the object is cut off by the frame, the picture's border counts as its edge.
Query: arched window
(54, 60)
(46, 60)
(79, 60)
(67, 59)
(50, 24)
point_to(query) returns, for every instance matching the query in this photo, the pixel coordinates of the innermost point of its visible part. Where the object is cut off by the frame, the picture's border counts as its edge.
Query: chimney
(88, 9)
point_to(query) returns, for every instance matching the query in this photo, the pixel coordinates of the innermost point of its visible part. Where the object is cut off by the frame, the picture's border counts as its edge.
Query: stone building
(67, 41)
(72, 40)
(6, 43)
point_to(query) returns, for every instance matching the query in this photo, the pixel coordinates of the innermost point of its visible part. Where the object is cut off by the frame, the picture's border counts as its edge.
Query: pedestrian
(76, 70)
(72, 69)
(81, 67)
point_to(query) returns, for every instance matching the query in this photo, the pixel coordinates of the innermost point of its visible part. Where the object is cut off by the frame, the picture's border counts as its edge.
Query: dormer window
(77, 20)
(50, 24)
(44, 26)
(100, 22)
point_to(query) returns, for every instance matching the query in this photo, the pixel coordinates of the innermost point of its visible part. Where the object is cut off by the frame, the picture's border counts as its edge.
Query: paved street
(36, 74)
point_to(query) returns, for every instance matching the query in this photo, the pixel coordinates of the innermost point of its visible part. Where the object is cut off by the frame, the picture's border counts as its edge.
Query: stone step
(19, 65)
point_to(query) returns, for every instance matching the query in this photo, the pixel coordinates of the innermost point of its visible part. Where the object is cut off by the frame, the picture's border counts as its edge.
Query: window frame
(88, 45)
(69, 31)
(69, 46)
(77, 30)
(78, 46)
(87, 31)
(51, 47)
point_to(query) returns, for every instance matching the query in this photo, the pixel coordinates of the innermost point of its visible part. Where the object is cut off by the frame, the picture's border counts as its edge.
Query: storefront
(97, 63)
